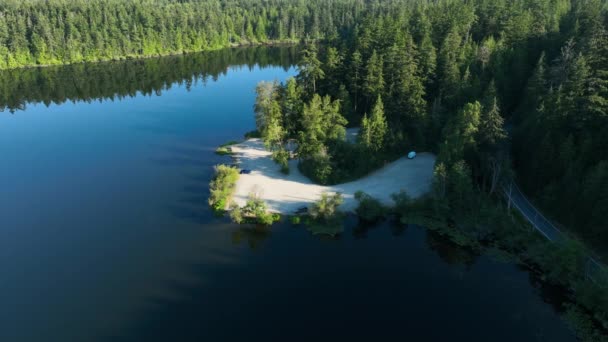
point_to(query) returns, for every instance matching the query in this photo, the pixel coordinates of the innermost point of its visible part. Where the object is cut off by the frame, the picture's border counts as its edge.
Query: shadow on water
(450, 252)
(253, 236)
(285, 282)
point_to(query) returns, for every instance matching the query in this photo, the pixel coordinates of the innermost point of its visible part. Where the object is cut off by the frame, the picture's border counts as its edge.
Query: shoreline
(157, 55)
(285, 194)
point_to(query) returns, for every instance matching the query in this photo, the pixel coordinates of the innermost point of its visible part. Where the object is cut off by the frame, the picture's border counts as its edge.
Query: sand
(286, 193)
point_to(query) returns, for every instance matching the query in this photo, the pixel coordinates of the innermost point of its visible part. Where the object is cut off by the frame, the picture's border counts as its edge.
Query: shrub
(563, 262)
(281, 157)
(317, 168)
(325, 219)
(222, 186)
(369, 209)
(326, 208)
(295, 220)
(235, 213)
(254, 211)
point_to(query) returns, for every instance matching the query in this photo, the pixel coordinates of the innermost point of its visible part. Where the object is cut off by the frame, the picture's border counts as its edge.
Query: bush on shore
(254, 211)
(222, 186)
(369, 209)
(325, 218)
(225, 149)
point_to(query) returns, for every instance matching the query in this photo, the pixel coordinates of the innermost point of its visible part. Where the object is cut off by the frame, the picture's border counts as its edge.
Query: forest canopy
(61, 32)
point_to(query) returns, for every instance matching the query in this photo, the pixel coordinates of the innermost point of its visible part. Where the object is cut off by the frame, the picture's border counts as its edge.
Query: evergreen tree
(374, 78)
(310, 68)
(491, 127)
(374, 129)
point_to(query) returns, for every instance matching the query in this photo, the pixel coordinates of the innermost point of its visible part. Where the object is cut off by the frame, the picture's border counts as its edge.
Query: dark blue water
(105, 233)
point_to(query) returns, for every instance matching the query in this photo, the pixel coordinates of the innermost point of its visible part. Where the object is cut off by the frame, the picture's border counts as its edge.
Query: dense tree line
(561, 140)
(36, 32)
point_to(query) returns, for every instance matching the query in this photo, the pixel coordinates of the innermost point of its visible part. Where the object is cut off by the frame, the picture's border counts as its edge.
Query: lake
(105, 232)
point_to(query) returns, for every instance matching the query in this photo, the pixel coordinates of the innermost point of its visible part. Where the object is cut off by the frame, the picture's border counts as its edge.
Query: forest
(36, 32)
(498, 91)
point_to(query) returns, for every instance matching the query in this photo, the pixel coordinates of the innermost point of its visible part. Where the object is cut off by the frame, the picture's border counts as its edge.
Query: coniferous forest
(60, 32)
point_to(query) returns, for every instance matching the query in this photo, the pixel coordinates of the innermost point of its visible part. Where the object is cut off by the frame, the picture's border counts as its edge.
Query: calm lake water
(105, 234)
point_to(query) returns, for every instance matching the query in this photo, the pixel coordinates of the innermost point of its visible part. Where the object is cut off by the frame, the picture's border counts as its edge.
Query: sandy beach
(286, 193)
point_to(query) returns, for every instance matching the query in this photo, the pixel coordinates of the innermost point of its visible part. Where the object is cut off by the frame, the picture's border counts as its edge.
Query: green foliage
(321, 124)
(374, 78)
(268, 116)
(225, 149)
(318, 168)
(254, 211)
(369, 209)
(59, 32)
(295, 220)
(583, 325)
(324, 216)
(325, 210)
(374, 130)
(281, 157)
(236, 214)
(310, 71)
(222, 186)
(564, 262)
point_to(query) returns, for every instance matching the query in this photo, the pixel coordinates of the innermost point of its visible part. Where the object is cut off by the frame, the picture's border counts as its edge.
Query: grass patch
(222, 186)
(226, 149)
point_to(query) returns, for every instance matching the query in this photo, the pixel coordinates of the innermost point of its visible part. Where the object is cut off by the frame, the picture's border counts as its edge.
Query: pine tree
(374, 129)
(374, 78)
(355, 76)
(491, 127)
(310, 68)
